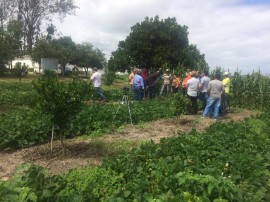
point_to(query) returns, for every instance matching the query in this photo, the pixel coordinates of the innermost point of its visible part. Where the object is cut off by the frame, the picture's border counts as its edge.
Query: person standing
(203, 88)
(138, 86)
(96, 81)
(215, 90)
(184, 83)
(175, 84)
(131, 76)
(144, 75)
(192, 92)
(75, 73)
(225, 98)
(166, 82)
(151, 83)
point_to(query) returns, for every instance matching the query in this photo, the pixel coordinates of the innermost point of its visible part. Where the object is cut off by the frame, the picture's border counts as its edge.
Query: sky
(233, 34)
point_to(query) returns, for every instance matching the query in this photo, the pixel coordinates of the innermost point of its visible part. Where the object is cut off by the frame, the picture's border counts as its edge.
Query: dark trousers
(193, 109)
(174, 89)
(184, 91)
(152, 92)
(138, 93)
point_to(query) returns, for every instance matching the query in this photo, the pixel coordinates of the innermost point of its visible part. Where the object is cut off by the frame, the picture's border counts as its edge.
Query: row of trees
(31, 14)
(151, 43)
(67, 51)
(20, 24)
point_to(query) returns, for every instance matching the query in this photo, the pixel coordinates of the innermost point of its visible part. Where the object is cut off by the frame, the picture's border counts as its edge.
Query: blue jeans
(204, 97)
(100, 94)
(212, 102)
(138, 93)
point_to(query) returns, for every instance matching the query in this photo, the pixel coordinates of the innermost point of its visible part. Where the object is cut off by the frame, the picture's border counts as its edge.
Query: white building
(25, 60)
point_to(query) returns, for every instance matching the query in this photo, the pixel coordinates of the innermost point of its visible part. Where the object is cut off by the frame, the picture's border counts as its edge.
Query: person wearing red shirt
(144, 75)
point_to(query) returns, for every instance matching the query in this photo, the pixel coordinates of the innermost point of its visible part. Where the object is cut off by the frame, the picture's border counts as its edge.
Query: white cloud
(230, 33)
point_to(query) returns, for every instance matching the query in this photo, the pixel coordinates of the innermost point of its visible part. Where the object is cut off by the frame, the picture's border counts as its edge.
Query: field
(164, 156)
(91, 151)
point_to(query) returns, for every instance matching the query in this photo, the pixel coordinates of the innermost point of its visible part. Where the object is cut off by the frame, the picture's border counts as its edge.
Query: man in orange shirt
(131, 76)
(184, 83)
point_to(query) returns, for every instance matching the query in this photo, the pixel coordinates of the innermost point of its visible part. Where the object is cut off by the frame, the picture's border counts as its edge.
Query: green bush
(109, 77)
(14, 94)
(23, 128)
(228, 162)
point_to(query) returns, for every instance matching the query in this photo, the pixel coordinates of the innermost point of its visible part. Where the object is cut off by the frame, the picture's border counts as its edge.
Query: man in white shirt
(96, 81)
(192, 92)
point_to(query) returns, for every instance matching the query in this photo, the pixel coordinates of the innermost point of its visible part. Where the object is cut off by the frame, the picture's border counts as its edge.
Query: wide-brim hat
(226, 74)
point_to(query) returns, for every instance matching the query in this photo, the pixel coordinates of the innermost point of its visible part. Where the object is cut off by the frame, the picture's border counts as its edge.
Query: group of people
(213, 93)
(144, 84)
(196, 85)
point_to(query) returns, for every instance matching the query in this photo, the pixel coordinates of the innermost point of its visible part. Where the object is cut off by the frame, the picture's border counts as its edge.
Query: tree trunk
(62, 135)
(52, 139)
(30, 34)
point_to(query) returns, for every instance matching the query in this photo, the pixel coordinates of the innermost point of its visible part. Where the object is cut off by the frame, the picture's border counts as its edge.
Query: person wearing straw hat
(166, 82)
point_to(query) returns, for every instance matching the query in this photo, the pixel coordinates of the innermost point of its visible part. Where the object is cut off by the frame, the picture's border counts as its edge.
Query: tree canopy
(67, 51)
(155, 42)
(10, 43)
(32, 13)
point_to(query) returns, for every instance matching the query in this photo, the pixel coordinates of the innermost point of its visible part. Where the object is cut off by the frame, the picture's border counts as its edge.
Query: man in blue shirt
(138, 86)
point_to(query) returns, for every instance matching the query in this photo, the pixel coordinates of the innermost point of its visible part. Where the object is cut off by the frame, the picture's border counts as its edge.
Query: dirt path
(91, 151)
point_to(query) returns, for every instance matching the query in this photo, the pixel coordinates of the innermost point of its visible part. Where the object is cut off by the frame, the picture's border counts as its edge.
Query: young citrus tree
(61, 101)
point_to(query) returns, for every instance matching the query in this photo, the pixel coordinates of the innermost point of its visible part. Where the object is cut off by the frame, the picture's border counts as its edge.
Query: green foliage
(109, 77)
(60, 101)
(20, 70)
(88, 56)
(119, 60)
(155, 42)
(9, 42)
(98, 118)
(67, 51)
(251, 91)
(32, 13)
(64, 50)
(228, 162)
(181, 104)
(23, 128)
(14, 95)
(91, 184)
(28, 183)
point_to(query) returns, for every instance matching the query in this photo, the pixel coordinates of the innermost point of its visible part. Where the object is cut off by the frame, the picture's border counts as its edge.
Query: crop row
(228, 162)
(23, 127)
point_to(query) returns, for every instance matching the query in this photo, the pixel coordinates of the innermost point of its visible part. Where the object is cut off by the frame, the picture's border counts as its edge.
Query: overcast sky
(231, 33)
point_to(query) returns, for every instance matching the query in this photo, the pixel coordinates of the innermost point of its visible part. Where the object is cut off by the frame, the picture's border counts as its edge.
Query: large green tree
(88, 56)
(10, 43)
(63, 48)
(32, 13)
(119, 60)
(155, 42)
(67, 51)
(6, 13)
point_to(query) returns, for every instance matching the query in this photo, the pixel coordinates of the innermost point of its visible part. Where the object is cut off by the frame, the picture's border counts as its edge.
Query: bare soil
(91, 151)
